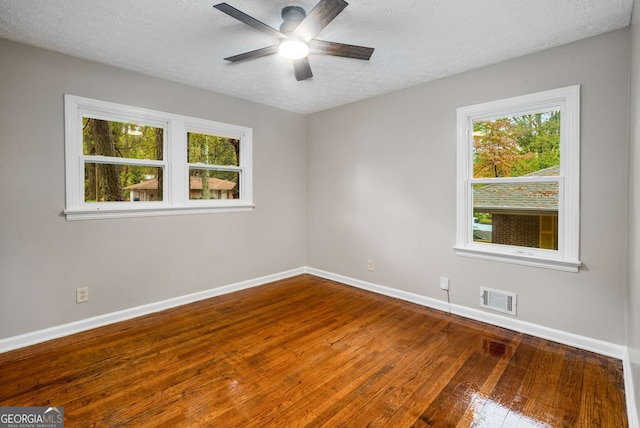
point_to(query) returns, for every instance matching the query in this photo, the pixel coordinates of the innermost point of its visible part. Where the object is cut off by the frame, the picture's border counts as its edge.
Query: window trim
(176, 169)
(566, 258)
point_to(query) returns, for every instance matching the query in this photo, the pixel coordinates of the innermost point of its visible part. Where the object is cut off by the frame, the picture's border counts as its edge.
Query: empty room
(320, 213)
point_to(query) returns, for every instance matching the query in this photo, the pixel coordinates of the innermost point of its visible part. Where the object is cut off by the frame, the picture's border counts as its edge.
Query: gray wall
(633, 301)
(128, 262)
(381, 185)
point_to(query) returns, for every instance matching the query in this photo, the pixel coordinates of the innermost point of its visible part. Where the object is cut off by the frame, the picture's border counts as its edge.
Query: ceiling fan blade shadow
(340, 49)
(302, 69)
(250, 21)
(318, 18)
(253, 54)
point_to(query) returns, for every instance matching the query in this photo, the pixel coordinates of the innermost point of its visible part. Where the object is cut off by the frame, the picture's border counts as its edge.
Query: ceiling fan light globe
(293, 49)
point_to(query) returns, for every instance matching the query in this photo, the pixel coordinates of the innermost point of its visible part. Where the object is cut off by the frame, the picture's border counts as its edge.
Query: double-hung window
(123, 161)
(518, 180)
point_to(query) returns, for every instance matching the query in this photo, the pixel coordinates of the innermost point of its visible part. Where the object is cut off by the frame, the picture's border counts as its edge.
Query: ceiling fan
(296, 35)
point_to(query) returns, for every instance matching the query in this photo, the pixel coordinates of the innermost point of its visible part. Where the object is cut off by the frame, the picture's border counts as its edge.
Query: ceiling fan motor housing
(292, 16)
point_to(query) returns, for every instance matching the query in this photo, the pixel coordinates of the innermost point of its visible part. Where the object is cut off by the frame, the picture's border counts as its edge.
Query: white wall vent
(498, 300)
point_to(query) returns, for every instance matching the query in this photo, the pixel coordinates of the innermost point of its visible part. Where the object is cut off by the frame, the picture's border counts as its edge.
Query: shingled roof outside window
(518, 197)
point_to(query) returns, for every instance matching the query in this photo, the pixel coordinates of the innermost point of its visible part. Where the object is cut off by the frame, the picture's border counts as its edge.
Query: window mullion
(522, 179)
(122, 161)
(210, 167)
(179, 171)
(246, 162)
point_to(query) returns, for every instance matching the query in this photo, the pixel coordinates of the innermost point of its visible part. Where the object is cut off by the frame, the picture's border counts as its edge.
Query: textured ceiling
(415, 41)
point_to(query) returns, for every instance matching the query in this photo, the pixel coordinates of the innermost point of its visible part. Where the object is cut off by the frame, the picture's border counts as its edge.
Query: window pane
(121, 139)
(520, 214)
(213, 150)
(205, 184)
(482, 227)
(517, 146)
(110, 183)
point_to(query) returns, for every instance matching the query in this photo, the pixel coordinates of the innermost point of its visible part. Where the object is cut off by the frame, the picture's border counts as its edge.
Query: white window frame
(566, 258)
(176, 169)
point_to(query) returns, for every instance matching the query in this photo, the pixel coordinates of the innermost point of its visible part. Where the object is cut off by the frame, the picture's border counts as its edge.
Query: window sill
(104, 213)
(521, 259)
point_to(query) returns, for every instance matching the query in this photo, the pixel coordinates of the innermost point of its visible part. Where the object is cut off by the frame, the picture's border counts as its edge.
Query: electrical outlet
(370, 266)
(444, 283)
(82, 295)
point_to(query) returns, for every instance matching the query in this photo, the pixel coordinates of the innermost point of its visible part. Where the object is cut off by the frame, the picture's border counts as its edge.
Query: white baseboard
(32, 338)
(577, 341)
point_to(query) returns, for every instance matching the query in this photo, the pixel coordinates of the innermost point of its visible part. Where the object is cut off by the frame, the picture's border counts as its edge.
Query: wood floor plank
(314, 398)
(544, 377)
(388, 407)
(570, 388)
(494, 414)
(307, 351)
(615, 391)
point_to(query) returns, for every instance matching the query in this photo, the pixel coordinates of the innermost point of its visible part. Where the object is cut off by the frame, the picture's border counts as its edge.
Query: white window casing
(566, 257)
(174, 163)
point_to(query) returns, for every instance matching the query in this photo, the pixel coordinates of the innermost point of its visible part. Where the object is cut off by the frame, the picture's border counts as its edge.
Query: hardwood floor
(310, 352)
